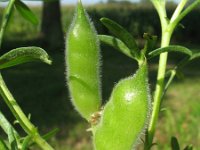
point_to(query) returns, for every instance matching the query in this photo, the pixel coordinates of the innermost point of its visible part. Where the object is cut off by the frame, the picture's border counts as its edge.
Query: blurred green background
(41, 90)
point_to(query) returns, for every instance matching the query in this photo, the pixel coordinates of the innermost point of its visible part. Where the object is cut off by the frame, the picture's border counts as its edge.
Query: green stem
(171, 78)
(159, 88)
(192, 6)
(178, 10)
(29, 128)
(166, 36)
(5, 19)
(25, 123)
(167, 31)
(160, 7)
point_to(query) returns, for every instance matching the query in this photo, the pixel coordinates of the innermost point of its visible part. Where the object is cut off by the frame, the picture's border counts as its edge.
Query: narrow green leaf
(187, 60)
(180, 74)
(23, 55)
(5, 124)
(26, 143)
(171, 48)
(195, 56)
(5, 19)
(50, 134)
(174, 143)
(116, 43)
(25, 12)
(121, 33)
(12, 139)
(3, 145)
(189, 147)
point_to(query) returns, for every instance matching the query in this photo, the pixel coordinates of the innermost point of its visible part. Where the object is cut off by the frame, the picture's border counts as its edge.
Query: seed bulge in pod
(125, 115)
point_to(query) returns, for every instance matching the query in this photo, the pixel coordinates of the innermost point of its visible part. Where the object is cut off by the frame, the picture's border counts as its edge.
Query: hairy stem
(159, 88)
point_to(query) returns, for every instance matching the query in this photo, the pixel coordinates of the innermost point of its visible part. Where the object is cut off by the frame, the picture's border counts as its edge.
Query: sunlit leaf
(50, 134)
(12, 139)
(26, 143)
(3, 145)
(23, 55)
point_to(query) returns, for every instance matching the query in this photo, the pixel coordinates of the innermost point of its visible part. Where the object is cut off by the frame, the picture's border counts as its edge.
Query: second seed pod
(125, 115)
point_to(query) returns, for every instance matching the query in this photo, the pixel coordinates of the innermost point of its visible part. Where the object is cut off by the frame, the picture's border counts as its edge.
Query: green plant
(119, 124)
(12, 58)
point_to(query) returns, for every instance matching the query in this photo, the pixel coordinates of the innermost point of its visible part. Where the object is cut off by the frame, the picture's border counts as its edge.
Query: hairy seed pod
(125, 115)
(82, 58)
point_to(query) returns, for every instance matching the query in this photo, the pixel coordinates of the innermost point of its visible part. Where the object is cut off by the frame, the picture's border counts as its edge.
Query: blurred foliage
(136, 18)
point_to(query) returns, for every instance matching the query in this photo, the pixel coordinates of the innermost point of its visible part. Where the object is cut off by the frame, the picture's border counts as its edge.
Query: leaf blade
(26, 142)
(3, 145)
(23, 55)
(171, 48)
(50, 134)
(12, 139)
(26, 12)
(174, 143)
(116, 43)
(121, 33)
(195, 56)
(188, 147)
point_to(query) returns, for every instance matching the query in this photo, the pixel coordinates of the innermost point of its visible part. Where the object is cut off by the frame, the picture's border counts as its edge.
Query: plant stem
(29, 128)
(166, 36)
(167, 31)
(178, 10)
(175, 21)
(25, 123)
(159, 88)
(5, 19)
(171, 78)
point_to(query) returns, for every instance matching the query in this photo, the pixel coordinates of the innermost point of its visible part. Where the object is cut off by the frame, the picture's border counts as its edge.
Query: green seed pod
(83, 61)
(125, 115)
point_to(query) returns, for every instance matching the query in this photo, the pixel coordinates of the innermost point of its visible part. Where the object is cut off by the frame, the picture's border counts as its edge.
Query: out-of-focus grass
(182, 115)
